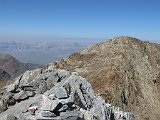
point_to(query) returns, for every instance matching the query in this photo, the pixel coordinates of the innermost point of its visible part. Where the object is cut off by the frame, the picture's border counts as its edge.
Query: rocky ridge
(55, 94)
(124, 70)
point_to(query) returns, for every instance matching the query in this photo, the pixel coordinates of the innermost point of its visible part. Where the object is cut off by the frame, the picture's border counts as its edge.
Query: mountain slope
(14, 67)
(4, 75)
(125, 71)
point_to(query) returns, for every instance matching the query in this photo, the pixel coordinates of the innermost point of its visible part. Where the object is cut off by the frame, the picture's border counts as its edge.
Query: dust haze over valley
(33, 51)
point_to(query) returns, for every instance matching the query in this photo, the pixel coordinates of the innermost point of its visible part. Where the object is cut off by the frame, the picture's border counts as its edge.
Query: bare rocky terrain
(125, 71)
(55, 94)
(11, 68)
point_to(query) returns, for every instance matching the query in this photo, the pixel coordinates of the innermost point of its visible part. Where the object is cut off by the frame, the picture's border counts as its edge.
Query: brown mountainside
(125, 71)
(14, 67)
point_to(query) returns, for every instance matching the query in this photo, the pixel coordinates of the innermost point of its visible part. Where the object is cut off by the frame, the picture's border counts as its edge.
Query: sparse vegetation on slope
(125, 71)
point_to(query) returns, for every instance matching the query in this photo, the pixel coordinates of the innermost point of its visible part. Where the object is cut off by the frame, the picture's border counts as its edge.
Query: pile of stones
(55, 94)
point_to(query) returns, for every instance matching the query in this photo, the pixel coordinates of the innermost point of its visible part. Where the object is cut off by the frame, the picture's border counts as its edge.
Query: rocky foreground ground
(55, 94)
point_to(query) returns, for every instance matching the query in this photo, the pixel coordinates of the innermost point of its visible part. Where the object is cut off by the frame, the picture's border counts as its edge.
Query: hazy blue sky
(100, 19)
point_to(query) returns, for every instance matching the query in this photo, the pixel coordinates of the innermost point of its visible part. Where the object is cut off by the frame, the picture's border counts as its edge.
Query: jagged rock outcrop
(55, 94)
(124, 71)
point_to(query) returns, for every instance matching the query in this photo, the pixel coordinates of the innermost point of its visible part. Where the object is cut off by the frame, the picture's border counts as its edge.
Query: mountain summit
(123, 70)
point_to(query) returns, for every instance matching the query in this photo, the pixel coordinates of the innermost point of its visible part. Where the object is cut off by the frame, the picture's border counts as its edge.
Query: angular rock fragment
(71, 115)
(7, 98)
(47, 104)
(30, 93)
(60, 93)
(48, 114)
(32, 109)
(42, 87)
(22, 95)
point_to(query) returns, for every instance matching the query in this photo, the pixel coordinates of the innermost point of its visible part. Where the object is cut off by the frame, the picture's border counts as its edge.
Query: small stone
(32, 109)
(63, 108)
(24, 110)
(75, 73)
(48, 114)
(71, 115)
(30, 93)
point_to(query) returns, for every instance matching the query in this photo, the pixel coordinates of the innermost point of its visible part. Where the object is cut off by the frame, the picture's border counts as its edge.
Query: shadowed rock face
(55, 94)
(124, 71)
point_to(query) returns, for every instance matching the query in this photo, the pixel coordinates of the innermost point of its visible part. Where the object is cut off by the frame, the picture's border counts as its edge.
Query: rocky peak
(55, 94)
(124, 71)
(125, 38)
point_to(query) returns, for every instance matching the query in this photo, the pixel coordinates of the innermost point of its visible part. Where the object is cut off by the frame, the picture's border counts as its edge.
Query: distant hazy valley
(42, 52)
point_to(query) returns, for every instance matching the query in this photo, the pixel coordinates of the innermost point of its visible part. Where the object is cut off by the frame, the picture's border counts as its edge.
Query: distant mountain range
(41, 52)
